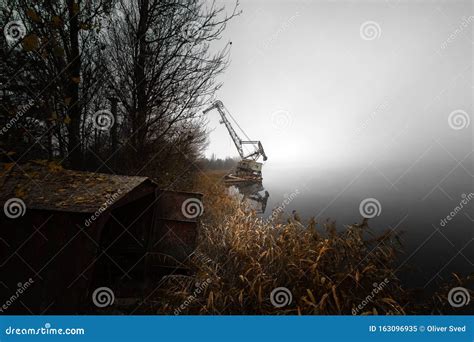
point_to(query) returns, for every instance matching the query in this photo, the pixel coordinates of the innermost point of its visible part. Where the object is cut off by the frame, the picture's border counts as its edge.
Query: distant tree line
(112, 86)
(214, 163)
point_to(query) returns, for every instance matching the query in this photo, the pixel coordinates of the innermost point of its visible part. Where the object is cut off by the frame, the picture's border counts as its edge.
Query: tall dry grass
(241, 259)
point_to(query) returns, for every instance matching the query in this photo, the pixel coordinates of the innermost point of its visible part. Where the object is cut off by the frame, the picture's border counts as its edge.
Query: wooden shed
(66, 233)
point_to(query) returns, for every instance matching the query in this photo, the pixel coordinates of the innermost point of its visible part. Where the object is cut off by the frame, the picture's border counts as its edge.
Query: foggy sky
(317, 89)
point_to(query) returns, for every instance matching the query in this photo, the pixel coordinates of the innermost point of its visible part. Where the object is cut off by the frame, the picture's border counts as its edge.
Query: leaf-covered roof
(46, 185)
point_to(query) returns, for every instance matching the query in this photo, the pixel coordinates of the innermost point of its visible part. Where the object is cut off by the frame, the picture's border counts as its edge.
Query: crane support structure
(249, 166)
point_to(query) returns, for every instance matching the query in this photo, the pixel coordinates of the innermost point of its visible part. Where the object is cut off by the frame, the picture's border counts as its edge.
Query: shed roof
(46, 185)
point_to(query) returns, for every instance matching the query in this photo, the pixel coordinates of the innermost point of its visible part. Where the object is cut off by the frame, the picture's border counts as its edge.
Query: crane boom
(233, 134)
(259, 151)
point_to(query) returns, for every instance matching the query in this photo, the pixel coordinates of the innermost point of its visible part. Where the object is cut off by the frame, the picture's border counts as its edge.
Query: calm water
(410, 202)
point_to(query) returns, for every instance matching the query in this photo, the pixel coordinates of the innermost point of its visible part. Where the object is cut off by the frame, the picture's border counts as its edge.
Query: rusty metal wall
(55, 250)
(176, 231)
(61, 253)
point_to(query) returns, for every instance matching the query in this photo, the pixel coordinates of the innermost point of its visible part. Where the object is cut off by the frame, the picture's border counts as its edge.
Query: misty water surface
(413, 202)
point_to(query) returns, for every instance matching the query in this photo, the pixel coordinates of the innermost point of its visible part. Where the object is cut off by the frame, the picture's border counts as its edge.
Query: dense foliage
(109, 85)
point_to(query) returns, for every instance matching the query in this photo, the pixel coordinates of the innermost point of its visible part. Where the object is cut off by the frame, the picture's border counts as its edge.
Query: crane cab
(249, 168)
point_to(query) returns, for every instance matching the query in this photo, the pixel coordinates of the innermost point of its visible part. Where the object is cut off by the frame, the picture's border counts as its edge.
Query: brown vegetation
(242, 258)
(327, 272)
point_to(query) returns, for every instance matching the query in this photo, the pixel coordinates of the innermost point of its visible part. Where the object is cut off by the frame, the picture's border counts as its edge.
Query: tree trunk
(74, 74)
(140, 78)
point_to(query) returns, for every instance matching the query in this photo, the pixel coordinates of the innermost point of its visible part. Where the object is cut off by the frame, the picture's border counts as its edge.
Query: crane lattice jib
(233, 134)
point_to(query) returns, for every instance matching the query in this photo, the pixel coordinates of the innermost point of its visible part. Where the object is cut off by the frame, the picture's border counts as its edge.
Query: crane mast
(248, 167)
(233, 134)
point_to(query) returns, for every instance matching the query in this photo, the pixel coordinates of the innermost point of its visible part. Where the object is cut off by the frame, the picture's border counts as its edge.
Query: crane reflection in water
(253, 195)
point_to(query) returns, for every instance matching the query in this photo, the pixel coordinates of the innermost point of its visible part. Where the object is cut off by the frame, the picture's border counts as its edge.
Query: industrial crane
(249, 167)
